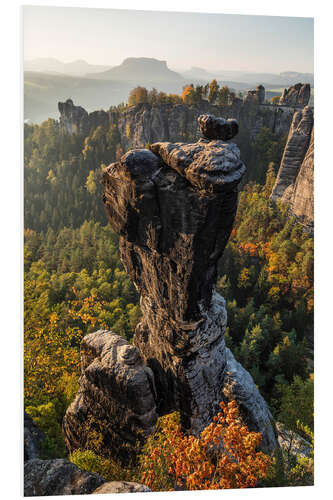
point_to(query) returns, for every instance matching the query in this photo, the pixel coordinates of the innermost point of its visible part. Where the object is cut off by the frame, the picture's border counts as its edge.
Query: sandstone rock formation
(149, 123)
(76, 120)
(33, 439)
(294, 182)
(116, 397)
(302, 198)
(257, 96)
(173, 207)
(58, 477)
(217, 128)
(297, 95)
(122, 487)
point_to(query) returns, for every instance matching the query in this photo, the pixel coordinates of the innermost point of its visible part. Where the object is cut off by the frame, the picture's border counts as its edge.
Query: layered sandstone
(149, 123)
(294, 182)
(116, 399)
(297, 95)
(173, 207)
(255, 96)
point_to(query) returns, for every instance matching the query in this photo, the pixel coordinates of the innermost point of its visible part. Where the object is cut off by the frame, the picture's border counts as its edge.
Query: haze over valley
(47, 81)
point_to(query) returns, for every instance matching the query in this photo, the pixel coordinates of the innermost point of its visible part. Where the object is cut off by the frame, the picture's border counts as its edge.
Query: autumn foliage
(172, 460)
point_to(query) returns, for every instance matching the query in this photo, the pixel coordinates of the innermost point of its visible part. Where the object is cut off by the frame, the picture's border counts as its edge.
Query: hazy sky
(211, 41)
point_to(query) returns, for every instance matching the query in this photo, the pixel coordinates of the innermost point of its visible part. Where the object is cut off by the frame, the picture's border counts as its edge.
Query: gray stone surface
(122, 487)
(116, 396)
(294, 182)
(256, 96)
(58, 477)
(302, 198)
(33, 439)
(217, 128)
(173, 208)
(239, 385)
(297, 95)
(149, 123)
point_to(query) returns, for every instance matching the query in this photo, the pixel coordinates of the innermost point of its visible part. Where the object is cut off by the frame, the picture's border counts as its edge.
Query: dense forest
(75, 282)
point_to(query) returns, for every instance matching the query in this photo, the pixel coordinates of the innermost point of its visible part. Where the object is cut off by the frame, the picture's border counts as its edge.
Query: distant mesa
(139, 69)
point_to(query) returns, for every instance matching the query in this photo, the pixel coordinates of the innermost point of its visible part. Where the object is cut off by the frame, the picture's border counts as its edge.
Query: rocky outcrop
(122, 487)
(255, 96)
(173, 207)
(58, 477)
(294, 182)
(33, 439)
(116, 399)
(72, 118)
(149, 123)
(76, 120)
(217, 128)
(298, 95)
(302, 198)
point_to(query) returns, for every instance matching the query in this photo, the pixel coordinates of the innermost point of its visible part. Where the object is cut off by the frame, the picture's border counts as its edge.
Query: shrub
(173, 460)
(105, 467)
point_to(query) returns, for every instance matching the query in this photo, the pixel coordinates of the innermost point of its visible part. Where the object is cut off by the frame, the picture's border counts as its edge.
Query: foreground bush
(109, 469)
(172, 460)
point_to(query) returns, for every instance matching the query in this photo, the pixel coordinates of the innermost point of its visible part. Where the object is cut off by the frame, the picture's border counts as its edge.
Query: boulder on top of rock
(217, 128)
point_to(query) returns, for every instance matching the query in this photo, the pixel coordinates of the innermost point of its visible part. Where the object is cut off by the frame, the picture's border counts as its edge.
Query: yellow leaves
(188, 94)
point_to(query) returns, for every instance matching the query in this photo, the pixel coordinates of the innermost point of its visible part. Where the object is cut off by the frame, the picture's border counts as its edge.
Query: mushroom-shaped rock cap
(213, 127)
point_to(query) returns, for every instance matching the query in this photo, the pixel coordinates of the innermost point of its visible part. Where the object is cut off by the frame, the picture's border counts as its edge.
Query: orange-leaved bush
(223, 456)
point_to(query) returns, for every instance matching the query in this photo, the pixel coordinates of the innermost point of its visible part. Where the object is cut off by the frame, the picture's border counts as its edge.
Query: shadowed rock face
(76, 120)
(217, 128)
(302, 198)
(58, 477)
(294, 182)
(33, 439)
(116, 397)
(173, 207)
(255, 96)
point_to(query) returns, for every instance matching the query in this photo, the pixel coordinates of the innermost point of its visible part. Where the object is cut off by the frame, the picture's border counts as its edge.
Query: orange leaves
(223, 456)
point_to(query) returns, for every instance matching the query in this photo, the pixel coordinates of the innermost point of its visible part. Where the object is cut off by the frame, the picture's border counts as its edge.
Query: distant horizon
(214, 42)
(82, 59)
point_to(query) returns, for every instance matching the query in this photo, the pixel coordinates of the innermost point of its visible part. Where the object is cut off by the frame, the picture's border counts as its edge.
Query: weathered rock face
(72, 118)
(58, 477)
(122, 487)
(76, 120)
(146, 123)
(217, 128)
(33, 439)
(116, 397)
(302, 199)
(294, 182)
(255, 96)
(297, 95)
(173, 207)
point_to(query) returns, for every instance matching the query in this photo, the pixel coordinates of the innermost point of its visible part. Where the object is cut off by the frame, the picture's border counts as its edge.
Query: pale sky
(210, 41)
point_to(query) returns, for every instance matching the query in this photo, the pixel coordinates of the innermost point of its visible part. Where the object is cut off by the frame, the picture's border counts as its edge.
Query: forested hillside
(63, 171)
(75, 282)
